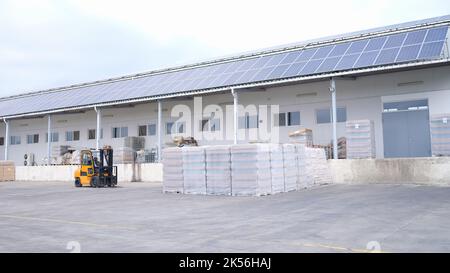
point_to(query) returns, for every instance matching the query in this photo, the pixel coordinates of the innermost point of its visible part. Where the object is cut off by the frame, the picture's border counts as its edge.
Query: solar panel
(366, 59)
(431, 50)
(387, 56)
(357, 46)
(436, 34)
(408, 53)
(375, 43)
(329, 64)
(347, 62)
(339, 50)
(395, 40)
(415, 37)
(424, 44)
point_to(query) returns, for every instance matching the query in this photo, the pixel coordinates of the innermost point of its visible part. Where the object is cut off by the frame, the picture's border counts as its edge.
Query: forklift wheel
(77, 183)
(94, 183)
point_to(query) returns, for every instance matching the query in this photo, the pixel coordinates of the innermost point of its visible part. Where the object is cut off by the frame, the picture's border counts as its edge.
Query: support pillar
(98, 128)
(49, 139)
(159, 130)
(334, 117)
(235, 114)
(6, 137)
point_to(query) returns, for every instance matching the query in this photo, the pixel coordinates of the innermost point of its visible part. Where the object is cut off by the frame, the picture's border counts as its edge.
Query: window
(287, 119)
(324, 115)
(152, 130)
(248, 122)
(31, 139)
(118, 132)
(72, 135)
(2, 141)
(179, 127)
(215, 124)
(211, 125)
(15, 140)
(169, 126)
(142, 130)
(54, 137)
(92, 133)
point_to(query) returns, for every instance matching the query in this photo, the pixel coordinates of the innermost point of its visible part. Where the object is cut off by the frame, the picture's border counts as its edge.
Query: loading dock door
(406, 129)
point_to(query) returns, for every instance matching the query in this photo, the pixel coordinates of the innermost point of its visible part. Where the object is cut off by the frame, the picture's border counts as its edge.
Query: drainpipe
(98, 129)
(6, 137)
(235, 114)
(334, 117)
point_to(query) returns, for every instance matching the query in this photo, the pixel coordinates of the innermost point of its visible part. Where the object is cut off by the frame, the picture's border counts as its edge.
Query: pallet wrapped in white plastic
(290, 167)
(218, 169)
(172, 160)
(250, 169)
(194, 170)
(277, 168)
(321, 171)
(305, 177)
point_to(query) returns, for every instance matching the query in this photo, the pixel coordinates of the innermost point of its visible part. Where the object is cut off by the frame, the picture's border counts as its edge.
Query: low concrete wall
(428, 171)
(149, 172)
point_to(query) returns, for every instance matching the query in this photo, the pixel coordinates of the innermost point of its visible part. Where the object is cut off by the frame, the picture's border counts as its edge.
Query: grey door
(406, 133)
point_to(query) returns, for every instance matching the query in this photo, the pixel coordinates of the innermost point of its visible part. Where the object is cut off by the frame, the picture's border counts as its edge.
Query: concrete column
(6, 137)
(334, 117)
(235, 114)
(99, 127)
(49, 139)
(159, 130)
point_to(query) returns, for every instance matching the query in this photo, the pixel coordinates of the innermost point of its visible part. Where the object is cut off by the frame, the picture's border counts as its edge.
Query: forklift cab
(96, 169)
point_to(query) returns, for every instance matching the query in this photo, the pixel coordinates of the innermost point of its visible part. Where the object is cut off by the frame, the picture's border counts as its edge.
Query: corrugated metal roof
(412, 42)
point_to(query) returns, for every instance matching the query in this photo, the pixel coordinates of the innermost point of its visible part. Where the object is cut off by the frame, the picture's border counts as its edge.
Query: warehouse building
(397, 77)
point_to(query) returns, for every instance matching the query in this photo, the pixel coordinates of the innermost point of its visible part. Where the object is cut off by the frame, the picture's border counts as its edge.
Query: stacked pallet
(134, 142)
(7, 170)
(218, 170)
(440, 134)
(194, 170)
(124, 155)
(250, 169)
(277, 168)
(302, 136)
(318, 166)
(360, 139)
(290, 167)
(172, 159)
(305, 171)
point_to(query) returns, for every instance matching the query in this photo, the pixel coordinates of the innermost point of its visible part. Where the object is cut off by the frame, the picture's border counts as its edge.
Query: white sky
(45, 44)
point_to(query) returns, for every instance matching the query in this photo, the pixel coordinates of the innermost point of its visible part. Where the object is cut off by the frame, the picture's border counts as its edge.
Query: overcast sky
(45, 44)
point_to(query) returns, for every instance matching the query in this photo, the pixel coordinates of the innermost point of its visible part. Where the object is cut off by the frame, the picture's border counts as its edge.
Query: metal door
(406, 133)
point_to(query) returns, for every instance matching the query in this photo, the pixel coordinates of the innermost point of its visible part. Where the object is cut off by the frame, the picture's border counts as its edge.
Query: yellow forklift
(96, 169)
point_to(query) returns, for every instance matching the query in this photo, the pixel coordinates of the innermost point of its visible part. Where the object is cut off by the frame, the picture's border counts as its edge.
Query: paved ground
(137, 217)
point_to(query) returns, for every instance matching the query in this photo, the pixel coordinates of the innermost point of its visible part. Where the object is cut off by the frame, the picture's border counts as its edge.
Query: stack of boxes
(277, 168)
(250, 169)
(305, 178)
(360, 139)
(440, 134)
(218, 170)
(290, 167)
(7, 170)
(194, 170)
(246, 169)
(302, 136)
(172, 159)
(318, 166)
